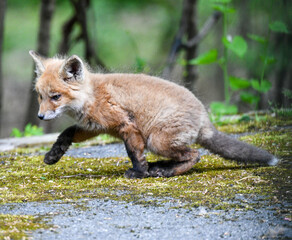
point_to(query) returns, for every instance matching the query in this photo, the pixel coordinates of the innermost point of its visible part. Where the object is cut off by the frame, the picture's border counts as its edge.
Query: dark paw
(131, 173)
(158, 171)
(51, 158)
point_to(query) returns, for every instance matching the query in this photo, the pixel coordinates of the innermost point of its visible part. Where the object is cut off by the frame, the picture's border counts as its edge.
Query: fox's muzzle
(41, 116)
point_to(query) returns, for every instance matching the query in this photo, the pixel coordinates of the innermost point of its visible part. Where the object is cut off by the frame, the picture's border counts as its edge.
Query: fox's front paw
(131, 173)
(53, 156)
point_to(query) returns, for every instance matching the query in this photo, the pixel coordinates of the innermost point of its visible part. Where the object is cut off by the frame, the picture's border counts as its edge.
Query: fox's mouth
(49, 115)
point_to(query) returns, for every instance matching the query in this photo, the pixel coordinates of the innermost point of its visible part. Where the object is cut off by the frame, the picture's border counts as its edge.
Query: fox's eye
(56, 97)
(41, 97)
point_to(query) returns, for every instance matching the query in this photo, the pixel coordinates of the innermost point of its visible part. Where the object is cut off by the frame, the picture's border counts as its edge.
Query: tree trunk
(81, 7)
(191, 42)
(80, 17)
(244, 18)
(67, 31)
(46, 14)
(2, 14)
(283, 71)
(191, 32)
(282, 47)
(187, 28)
(177, 42)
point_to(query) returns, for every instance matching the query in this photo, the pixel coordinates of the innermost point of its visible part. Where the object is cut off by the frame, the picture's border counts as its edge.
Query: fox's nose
(41, 116)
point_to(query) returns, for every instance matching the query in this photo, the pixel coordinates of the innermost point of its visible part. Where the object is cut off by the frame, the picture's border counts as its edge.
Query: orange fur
(144, 111)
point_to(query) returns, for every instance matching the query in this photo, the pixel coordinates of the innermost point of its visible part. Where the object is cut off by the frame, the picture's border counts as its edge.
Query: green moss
(18, 226)
(99, 140)
(253, 124)
(27, 150)
(37, 148)
(213, 182)
(276, 142)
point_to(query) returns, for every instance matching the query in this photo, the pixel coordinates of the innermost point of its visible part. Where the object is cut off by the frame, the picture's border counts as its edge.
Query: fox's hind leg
(180, 163)
(182, 157)
(65, 139)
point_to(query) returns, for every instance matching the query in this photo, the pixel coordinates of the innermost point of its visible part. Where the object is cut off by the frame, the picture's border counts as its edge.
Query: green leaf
(219, 108)
(263, 87)
(32, 130)
(205, 58)
(257, 38)
(16, 133)
(28, 130)
(245, 118)
(249, 97)
(238, 45)
(268, 60)
(223, 8)
(36, 131)
(221, 1)
(238, 83)
(140, 64)
(278, 26)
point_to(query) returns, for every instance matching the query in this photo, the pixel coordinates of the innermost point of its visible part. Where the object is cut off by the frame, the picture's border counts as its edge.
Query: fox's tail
(234, 149)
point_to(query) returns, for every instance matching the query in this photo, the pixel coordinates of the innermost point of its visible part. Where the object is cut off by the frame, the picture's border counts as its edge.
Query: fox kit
(145, 112)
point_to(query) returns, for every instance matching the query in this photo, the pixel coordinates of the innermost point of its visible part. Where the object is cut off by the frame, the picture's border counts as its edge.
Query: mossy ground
(213, 182)
(18, 226)
(252, 123)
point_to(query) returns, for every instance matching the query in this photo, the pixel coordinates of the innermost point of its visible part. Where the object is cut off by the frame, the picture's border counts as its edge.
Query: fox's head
(59, 84)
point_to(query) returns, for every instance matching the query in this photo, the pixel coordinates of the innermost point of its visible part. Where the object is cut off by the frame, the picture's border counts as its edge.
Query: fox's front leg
(65, 139)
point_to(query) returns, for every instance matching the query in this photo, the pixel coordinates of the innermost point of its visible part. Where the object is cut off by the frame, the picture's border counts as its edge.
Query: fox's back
(153, 101)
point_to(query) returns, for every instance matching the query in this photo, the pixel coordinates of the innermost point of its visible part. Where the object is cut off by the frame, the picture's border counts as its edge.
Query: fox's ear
(38, 62)
(72, 69)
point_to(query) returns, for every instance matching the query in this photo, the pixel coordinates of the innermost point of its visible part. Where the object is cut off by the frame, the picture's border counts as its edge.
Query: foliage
(29, 130)
(263, 86)
(287, 93)
(249, 90)
(237, 45)
(219, 108)
(278, 26)
(238, 83)
(141, 65)
(280, 111)
(205, 58)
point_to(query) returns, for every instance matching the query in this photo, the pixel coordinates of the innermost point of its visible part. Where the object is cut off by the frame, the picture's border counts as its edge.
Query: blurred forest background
(230, 51)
